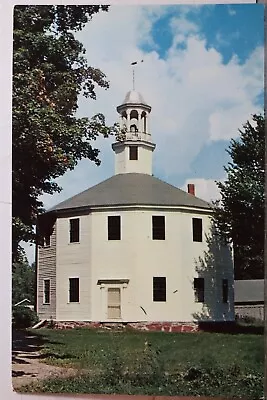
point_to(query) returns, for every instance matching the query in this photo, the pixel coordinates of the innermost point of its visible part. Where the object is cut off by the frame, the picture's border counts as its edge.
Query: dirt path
(26, 357)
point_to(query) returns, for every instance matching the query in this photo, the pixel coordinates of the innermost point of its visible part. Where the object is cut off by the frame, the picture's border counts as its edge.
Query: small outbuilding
(249, 298)
(25, 303)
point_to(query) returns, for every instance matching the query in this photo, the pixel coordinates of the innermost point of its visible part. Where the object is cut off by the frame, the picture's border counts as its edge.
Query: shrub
(24, 317)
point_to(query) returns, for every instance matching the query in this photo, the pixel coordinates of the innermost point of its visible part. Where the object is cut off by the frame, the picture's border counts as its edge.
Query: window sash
(114, 227)
(46, 291)
(197, 229)
(199, 289)
(74, 290)
(158, 227)
(74, 230)
(159, 289)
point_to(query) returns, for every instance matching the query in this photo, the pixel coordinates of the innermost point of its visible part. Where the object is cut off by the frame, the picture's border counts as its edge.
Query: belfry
(133, 152)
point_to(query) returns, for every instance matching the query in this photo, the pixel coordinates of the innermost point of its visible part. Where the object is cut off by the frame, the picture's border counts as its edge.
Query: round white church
(133, 248)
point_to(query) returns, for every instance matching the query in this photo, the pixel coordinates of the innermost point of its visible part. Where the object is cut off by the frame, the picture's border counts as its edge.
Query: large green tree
(240, 216)
(23, 282)
(50, 71)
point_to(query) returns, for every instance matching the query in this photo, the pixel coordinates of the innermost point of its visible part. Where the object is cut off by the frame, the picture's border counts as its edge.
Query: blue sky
(202, 75)
(239, 30)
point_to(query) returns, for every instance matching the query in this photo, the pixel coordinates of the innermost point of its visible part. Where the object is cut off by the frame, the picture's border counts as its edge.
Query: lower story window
(74, 295)
(199, 290)
(46, 291)
(225, 290)
(159, 288)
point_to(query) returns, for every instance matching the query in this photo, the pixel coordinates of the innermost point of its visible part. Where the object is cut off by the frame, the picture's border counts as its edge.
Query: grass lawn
(155, 363)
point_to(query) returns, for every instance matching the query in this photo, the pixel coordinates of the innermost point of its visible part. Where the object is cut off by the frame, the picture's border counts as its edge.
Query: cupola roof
(134, 97)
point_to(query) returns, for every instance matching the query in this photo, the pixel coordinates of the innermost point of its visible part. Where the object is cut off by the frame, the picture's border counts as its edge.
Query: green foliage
(23, 282)
(211, 382)
(24, 317)
(50, 71)
(240, 216)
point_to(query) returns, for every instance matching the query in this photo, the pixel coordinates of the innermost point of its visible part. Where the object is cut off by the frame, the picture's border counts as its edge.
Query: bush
(23, 317)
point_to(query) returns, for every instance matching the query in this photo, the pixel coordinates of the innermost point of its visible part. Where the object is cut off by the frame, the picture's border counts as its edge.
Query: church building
(133, 248)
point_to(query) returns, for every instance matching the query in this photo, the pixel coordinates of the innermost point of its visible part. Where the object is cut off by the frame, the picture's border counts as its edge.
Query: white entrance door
(114, 303)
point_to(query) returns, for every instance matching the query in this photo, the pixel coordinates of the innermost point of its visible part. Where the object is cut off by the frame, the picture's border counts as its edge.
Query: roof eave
(89, 208)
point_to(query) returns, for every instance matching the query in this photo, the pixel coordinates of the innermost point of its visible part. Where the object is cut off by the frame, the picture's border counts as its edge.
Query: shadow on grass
(26, 343)
(230, 328)
(51, 355)
(16, 374)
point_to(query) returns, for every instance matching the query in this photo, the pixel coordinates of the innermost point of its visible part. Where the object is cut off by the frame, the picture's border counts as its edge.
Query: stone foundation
(142, 326)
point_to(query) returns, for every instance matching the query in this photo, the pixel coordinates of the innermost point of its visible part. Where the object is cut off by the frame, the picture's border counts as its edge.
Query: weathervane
(133, 65)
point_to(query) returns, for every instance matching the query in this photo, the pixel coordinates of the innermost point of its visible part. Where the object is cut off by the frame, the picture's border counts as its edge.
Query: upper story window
(74, 230)
(133, 152)
(158, 227)
(159, 288)
(197, 229)
(199, 290)
(225, 290)
(114, 227)
(47, 240)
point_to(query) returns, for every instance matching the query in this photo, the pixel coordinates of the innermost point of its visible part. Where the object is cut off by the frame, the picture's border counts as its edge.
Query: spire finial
(133, 65)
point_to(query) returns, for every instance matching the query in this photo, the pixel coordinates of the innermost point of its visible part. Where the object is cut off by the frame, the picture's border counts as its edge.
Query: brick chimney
(191, 188)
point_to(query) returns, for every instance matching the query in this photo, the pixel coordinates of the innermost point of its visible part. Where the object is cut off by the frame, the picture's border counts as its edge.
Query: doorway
(114, 303)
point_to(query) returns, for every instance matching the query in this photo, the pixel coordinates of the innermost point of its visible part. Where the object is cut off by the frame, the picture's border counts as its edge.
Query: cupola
(133, 148)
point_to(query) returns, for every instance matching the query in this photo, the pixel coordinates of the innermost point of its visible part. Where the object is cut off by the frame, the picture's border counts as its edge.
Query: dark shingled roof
(132, 189)
(247, 291)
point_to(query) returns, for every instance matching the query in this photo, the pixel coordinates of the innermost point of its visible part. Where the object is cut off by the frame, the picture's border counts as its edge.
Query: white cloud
(205, 189)
(231, 11)
(195, 98)
(30, 251)
(226, 40)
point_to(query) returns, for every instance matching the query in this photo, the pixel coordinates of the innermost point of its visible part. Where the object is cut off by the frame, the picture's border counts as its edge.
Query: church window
(74, 230)
(225, 290)
(133, 155)
(74, 290)
(158, 227)
(46, 291)
(114, 227)
(199, 290)
(197, 229)
(159, 288)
